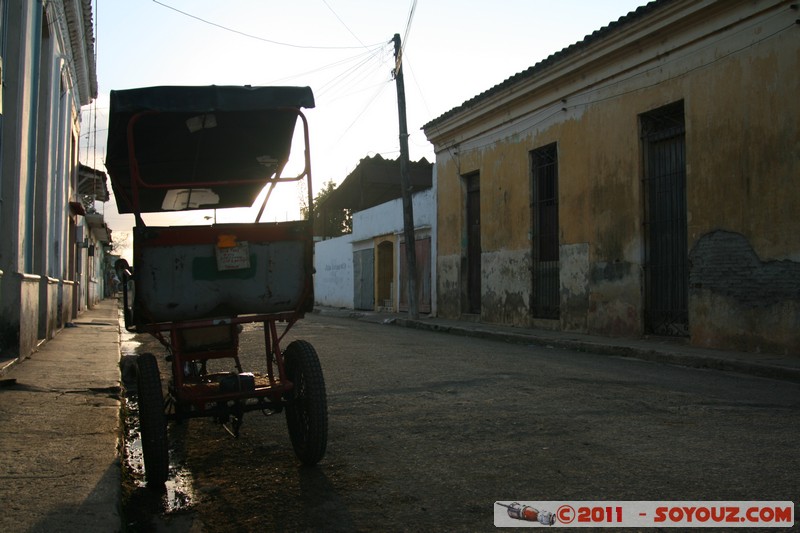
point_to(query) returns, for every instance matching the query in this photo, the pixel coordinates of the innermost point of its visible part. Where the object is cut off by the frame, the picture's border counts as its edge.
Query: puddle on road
(128, 343)
(177, 494)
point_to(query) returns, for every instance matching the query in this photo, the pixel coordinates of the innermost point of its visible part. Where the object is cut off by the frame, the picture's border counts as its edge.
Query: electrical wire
(322, 68)
(398, 62)
(344, 83)
(251, 36)
(408, 23)
(329, 100)
(364, 110)
(360, 71)
(343, 24)
(354, 75)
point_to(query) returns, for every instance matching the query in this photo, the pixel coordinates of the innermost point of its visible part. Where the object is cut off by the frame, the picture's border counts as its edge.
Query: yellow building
(645, 180)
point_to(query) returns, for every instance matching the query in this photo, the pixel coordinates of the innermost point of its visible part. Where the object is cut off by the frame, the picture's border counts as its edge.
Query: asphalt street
(428, 430)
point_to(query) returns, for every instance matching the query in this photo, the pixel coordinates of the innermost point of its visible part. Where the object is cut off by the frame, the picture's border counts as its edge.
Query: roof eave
(558, 63)
(81, 41)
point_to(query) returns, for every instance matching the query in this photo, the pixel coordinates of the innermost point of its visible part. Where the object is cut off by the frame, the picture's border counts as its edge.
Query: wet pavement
(148, 508)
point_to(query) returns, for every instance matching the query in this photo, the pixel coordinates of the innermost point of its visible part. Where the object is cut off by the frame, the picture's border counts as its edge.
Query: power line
(256, 37)
(324, 67)
(381, 88)
(399, 56)
(348, 78)
(343, 24)
(413, 137)
(359, 71)
(408, 23)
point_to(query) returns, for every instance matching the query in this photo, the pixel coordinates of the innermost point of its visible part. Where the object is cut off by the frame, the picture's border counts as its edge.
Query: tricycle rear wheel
(307, 405)
(152, 420)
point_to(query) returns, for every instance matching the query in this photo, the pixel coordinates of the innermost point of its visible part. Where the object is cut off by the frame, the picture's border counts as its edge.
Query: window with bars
(544, 186)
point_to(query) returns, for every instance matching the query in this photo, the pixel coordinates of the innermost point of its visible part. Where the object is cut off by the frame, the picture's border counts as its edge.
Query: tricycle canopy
(207, 147)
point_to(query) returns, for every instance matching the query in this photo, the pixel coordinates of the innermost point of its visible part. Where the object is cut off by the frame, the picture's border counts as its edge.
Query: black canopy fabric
(188, 138)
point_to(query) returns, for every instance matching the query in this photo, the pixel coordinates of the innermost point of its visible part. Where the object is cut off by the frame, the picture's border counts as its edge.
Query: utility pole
(405, 184)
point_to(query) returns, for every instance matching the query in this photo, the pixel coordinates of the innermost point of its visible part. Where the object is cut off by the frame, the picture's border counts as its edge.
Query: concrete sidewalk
(59, 430)
(657, 349)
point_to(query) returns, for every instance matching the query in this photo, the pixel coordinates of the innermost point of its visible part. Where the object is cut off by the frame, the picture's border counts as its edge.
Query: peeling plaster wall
(615, 301)
(448, 285)
(575, 288)
(505, 250)
(741, 302)
(505, 244)
(743, 139)
(451, 236)
(506, 287)
(600, 211)
(743, 147)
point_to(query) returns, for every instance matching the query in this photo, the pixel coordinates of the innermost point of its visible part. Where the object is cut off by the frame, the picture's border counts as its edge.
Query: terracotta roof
(555, 58)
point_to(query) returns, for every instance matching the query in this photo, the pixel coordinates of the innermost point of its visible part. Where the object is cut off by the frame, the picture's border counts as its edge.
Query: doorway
(666, 262)
(363, 279)
(385, 275)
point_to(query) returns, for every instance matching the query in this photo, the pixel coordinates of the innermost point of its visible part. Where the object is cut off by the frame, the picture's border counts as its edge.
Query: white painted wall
(333, 279)
(387, 219)
(333, 258)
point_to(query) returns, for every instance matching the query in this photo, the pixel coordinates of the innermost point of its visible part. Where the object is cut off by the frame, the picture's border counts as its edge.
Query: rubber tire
(152, 420)
(307, 404)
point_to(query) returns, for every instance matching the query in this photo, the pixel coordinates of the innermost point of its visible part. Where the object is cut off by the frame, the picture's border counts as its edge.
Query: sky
(453, 50)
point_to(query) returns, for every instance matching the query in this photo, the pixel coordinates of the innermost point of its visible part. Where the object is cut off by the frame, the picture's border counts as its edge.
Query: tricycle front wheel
(307, 405)
(152, 420)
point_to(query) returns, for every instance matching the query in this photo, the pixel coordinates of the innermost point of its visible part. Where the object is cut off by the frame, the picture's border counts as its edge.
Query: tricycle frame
(194, 393)
(208, 328)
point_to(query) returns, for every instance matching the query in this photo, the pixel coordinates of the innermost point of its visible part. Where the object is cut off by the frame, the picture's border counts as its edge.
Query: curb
(706, 361)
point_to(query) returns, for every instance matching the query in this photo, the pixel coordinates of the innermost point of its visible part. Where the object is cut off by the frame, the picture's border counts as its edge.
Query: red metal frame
(199, 391)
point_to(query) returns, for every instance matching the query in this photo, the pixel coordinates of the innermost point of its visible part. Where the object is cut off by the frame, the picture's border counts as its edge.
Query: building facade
(366, 269)
(48, 73)
(643, 181)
